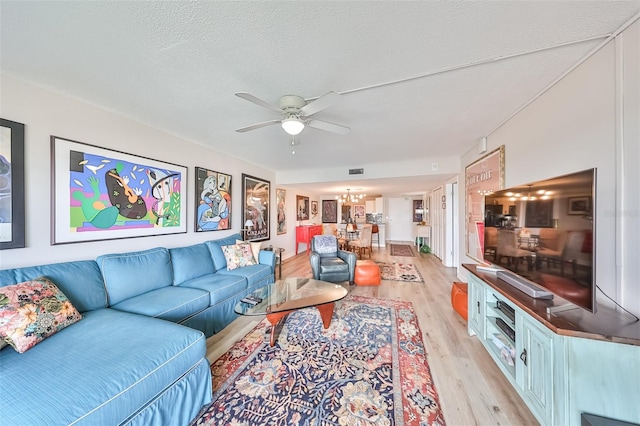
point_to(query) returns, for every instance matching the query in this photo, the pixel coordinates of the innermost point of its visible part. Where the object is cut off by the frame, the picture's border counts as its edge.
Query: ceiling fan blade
(249, 97)
(257, 126)
(324, 101)
(329, 127)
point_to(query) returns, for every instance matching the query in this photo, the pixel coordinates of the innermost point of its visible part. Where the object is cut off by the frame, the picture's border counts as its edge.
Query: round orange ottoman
(459, 298)
(367, 273)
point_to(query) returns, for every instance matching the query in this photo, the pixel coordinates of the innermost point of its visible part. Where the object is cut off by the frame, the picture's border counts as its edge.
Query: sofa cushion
(238, 256)
(99, 371)
(32, 311)
(85, 294)
(329, 265)
(219, 286)
(190, 262)
(254, 274)
(215, 248)
(173, 304)
(127, 275)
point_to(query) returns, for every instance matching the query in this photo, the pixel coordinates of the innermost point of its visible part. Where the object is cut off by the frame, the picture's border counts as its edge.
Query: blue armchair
(329, 263)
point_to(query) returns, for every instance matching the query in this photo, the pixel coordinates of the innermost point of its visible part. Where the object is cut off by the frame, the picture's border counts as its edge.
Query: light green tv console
(563, 364)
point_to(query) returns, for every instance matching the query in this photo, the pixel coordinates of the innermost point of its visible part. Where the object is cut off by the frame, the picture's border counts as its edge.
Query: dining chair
(375, 231)
(508, 247)
(490, 242)
(364, 242)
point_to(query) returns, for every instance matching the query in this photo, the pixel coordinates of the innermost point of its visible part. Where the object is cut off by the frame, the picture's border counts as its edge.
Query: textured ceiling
(176, 66)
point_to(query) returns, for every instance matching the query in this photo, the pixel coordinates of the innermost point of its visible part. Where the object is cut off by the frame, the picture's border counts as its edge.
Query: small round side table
(278, 251)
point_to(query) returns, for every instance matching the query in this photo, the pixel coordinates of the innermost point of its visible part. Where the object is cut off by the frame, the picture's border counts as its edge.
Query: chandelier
(350, 198)
(539, 194)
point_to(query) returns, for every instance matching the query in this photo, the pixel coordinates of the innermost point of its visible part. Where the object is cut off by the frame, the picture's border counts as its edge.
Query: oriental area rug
(406, 272)
(368, 368)
(401, 250)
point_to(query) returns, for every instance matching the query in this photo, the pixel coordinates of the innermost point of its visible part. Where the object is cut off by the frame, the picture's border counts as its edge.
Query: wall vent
(356, 171)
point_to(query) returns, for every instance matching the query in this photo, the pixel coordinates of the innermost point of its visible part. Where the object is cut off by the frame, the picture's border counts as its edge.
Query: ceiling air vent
(356, 171)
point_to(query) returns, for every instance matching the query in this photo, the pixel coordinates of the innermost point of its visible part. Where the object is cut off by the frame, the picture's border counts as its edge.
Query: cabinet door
(370, 206)
(379, 205)
(315, 230)
(535, 367)
(475, 307)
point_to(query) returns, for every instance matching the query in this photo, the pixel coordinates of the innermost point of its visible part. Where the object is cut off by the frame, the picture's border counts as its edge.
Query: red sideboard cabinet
(305, 233)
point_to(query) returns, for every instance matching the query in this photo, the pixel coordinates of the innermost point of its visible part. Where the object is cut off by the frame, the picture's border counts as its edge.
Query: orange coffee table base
(326, 312)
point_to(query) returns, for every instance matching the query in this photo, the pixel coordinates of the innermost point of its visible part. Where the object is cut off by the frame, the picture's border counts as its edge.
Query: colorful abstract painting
(213, 200)
(103, 194)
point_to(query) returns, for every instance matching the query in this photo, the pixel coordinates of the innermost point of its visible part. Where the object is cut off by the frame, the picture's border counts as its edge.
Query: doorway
(400, 222)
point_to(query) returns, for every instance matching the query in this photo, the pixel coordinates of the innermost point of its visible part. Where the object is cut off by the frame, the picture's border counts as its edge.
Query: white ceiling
(176, 66)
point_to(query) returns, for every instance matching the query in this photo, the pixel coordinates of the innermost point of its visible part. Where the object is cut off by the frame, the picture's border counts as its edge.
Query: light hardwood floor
(472, 390)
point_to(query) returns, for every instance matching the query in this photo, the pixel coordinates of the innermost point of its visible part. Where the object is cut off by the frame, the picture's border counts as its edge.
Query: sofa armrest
(314, 258)
(350, 258)
(267, 257)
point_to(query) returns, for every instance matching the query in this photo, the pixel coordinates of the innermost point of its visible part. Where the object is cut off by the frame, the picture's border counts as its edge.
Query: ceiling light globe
(292, 126)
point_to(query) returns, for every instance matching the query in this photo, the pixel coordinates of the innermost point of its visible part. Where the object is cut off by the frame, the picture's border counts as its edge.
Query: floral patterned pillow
(32, 311)
(238, 255)
(255, 249)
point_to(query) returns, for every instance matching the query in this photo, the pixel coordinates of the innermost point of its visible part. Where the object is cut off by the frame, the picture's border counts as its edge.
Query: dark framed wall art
(102, 194)
(314, 208)
(302, 207)
(12, 214)
(418, 211)
(213, 200)
(281, 200)
(579, 205)
(329, 211)
(256, 194)
(539, 214)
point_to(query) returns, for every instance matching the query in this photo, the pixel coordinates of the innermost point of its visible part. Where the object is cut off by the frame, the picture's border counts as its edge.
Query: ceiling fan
(296, 112)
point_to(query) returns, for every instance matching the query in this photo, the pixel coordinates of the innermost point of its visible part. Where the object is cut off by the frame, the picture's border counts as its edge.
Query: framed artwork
(539, 214)
(579, 205)
(314, 208)
(281, 200)
(417, 207)
(12, 219)
(302, 207)
(213, 200)
(102, 194)
(329, 211)
(482, 177)
(358, 211)
(256, 194)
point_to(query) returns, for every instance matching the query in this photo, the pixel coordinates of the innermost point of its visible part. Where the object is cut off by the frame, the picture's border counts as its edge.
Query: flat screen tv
(544, 232)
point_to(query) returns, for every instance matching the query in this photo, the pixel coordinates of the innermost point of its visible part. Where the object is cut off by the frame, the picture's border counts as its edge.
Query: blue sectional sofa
(130, 359)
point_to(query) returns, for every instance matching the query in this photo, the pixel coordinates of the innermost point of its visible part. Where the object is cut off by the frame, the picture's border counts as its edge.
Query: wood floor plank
(472, 389)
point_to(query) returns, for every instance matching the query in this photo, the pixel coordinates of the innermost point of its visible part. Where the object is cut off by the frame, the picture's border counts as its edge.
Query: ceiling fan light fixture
(293, 125)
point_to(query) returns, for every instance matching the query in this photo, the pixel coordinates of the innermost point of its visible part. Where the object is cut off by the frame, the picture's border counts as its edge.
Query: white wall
(45, 113)
(627, 213)
(288, 240)
(588, 119)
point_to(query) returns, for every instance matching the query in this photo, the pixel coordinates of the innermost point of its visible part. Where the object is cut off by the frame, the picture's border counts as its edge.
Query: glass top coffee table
(285, 296)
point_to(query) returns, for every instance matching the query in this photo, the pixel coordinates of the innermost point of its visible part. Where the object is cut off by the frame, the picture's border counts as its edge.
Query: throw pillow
(32, 311)
(238, 255)
(255, 249)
